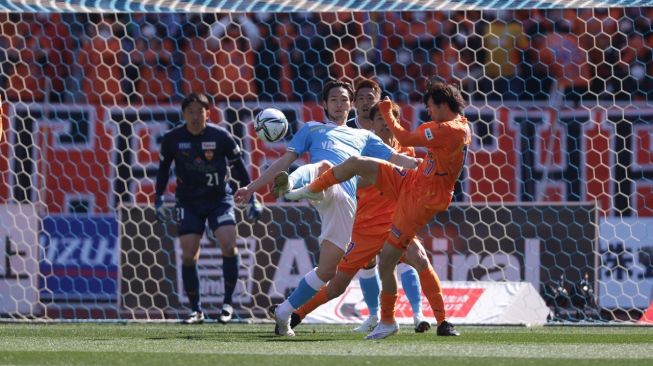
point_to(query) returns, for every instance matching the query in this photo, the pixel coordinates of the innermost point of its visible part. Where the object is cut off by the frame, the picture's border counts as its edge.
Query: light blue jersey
(335, 144)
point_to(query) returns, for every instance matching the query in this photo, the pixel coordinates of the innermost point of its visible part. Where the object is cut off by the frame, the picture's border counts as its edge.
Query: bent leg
(388, 259)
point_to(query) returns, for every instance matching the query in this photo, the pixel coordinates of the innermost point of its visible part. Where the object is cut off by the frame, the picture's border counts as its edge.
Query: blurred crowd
(571, 55)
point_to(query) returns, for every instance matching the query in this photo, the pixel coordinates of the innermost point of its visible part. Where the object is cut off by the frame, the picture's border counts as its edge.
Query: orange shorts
(361, 250)
(410, 216)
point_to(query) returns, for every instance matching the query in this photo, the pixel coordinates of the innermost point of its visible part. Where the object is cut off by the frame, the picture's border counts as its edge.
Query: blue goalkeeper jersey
(335, 144)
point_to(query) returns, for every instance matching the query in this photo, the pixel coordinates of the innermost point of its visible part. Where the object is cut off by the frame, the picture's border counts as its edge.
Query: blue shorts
(192, 216)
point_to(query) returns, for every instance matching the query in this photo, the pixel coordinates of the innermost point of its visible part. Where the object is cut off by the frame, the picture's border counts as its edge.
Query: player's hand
(254, 210)
(242, 196)
(160, 210)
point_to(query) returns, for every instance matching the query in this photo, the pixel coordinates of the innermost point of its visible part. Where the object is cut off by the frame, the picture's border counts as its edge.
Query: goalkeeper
(204, 155)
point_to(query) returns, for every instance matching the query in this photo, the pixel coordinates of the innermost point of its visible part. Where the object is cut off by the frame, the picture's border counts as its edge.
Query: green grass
(248, 344)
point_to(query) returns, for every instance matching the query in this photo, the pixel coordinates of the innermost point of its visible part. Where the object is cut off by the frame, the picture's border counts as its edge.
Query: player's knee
(229, 249)
(325, 274)
(188, 260)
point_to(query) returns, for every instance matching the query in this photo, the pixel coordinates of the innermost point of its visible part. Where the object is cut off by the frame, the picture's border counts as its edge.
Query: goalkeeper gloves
(254, 210)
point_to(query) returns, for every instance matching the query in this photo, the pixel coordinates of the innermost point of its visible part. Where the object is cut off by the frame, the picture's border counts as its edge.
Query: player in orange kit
(370, 231)
(420, 193)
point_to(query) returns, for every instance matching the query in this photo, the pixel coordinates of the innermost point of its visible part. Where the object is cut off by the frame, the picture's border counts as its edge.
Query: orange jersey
(374, 210)
(447, 144)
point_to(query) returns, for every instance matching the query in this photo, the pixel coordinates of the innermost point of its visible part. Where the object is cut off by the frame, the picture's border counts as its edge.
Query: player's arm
(162, 177)
(165, 162)
(243, 194)
(403, 136)
(236, 163)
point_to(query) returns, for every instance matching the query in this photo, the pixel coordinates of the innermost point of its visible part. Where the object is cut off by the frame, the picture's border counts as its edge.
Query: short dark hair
(195, 98)
(331, 84)
(440, 92)
(367, 83)
(396, 111)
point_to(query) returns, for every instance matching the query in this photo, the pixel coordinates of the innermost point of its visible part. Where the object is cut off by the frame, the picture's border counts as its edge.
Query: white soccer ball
(271, 125)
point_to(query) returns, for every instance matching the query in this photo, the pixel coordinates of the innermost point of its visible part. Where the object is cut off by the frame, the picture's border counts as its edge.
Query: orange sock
(388, 302)
(433, 292)
(324, 181)
(312, 304)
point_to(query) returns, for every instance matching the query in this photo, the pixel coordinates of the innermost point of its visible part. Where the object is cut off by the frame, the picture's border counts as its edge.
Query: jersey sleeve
(165, 162)
(403, 136)
(300, 142)
(234, 156)
(376, 148)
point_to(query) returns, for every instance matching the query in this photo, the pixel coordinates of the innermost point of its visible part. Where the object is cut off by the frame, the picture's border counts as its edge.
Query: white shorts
(336, 210)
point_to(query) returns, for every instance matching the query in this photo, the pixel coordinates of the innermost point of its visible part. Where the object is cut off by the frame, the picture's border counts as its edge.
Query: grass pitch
(249, 344)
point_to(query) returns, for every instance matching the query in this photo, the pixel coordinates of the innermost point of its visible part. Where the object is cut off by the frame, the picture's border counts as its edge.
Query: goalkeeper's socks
(191, 280)
(371, 289)
(388, 303)
(324, 181)
(433, 292)
(230, 266)
(321, 297)
(411, 286)
(307, 288)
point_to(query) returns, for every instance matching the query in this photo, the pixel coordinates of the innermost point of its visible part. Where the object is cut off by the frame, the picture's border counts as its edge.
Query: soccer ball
(271, 125)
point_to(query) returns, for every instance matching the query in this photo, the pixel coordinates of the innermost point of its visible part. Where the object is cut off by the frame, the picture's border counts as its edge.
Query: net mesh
(557, 191)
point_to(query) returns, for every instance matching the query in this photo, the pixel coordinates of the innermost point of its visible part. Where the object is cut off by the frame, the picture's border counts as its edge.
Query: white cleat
(368, 325)
(421, 324)
(304, 192)
(383, 331)
(196, 317)
(226, 313)
(282, 327)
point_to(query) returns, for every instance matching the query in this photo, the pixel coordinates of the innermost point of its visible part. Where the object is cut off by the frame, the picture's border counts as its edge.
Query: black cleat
(422, 326)
(295, 320)
(446, 329)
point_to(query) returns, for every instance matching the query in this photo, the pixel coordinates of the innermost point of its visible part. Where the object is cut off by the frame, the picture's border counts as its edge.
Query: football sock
(433, 292)
(324, 181)
(388, 303)
(321, 297)
(230, 266)
(191, 280)
(369, 281)
(412, 289)
(307, 288)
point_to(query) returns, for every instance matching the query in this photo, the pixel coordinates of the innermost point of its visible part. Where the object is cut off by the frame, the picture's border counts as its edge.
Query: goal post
(556, 192)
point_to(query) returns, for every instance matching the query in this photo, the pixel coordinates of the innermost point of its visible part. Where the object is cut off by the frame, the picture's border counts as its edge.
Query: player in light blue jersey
(328, 144)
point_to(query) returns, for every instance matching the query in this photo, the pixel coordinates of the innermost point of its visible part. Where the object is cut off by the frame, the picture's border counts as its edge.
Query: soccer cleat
(368, 325)
(304, 192)
(383, 331)
(226, 313)
(446, 329)
(196, 317)
(280, 185)
(282, 327)
(421, 324)
(295, 319)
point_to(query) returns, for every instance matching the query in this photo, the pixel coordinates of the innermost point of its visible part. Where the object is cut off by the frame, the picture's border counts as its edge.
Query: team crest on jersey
(208, 145)
(208, 155)
(183, 146)
(428, 134)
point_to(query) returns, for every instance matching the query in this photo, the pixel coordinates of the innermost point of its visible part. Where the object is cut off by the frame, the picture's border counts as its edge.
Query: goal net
(557, 192)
